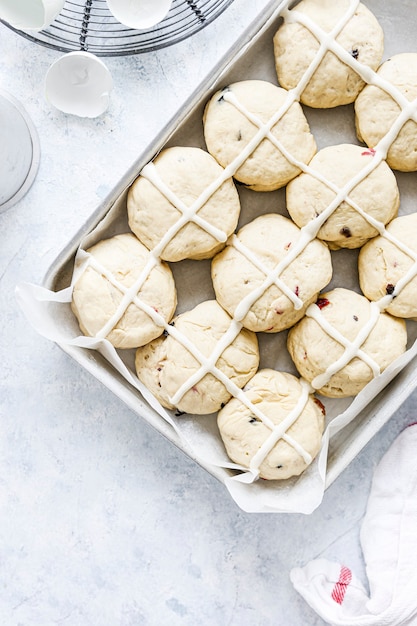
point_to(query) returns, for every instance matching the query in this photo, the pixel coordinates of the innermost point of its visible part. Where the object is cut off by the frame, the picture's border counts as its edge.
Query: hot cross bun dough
(115, 271)
(384, 263)
(376, 195)
(277, 396)
(189, 175)
(231, 123)
(341, 315)
(240, 273)
(168, 363)
(376, 110)
(334, 82)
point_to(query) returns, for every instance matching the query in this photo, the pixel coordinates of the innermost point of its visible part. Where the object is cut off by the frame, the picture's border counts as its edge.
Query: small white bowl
(19, 149)
(30, 14)
(139, 14)
(79, 83)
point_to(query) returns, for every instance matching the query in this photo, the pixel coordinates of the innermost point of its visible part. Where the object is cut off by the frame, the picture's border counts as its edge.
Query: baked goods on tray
(171, 210)
(272, 272)
(388, 270)
(344, 341)
(375, 199)
(120, 289)
(333, 82)
(274, 427)
(259, 271)
(206, 357)
(234, 134)
(382, 115)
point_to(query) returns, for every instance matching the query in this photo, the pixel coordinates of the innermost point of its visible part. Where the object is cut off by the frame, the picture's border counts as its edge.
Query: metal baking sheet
(252, 57)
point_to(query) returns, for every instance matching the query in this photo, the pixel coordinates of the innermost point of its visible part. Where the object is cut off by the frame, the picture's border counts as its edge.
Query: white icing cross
(279, 431)
(272, 277)
(352, 348)
(130, 294)
(188, 213)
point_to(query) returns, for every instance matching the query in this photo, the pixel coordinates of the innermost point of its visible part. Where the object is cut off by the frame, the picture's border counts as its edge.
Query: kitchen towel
(388, 539)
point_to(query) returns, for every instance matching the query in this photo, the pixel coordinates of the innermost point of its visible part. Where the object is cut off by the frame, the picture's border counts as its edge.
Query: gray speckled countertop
(91, 531)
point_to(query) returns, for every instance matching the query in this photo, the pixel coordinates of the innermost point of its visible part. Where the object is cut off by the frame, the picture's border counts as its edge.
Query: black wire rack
(89, 25)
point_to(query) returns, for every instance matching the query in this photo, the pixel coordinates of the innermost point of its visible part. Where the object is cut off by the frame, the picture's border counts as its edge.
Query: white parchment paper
(49, 313)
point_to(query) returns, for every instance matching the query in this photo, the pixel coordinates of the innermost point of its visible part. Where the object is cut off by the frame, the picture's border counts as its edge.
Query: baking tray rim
(380, 411)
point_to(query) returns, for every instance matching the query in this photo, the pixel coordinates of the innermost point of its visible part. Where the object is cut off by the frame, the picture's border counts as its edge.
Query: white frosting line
(329, 42)
(400, 245)
(279, 431)
(326, 40)
(399, 286)
(189, 213)
(352, 348)
(236, 243)
(245, 304)
(129, 294)
(208, 364)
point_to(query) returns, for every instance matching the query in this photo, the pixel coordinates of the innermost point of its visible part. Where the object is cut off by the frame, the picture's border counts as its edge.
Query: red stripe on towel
(339, 590)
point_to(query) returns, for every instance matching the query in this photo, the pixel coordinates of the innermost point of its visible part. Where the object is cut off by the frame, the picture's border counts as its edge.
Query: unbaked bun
(334, 82)
(376, 195)
(230, 130)
(242, 273)
(107, 296)
(387, 267)
(249, 431)
(322, 345)
(170, 369)
(182, 205)
(377, 110)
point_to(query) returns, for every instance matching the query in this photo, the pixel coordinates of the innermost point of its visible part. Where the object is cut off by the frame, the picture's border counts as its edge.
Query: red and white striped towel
(389, 545)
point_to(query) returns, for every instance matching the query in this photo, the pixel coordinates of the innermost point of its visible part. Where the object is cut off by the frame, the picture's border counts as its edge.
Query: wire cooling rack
(89, 25)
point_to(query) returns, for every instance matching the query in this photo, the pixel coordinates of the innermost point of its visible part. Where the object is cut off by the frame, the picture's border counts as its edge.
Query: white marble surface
(92, 533)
